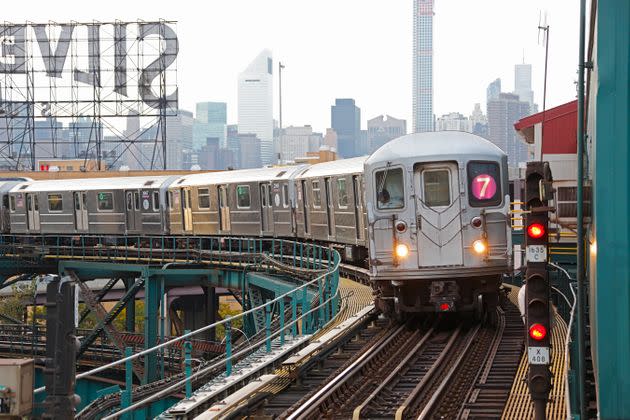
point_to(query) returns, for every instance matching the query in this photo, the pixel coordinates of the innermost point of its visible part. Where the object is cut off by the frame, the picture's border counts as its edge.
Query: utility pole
(280, 67)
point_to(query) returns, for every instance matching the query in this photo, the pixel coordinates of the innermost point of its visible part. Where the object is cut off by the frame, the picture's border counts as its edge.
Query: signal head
(535, 231)
(538, 332)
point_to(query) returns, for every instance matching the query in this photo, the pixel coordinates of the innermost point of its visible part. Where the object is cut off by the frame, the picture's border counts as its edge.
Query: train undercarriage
(476, 296)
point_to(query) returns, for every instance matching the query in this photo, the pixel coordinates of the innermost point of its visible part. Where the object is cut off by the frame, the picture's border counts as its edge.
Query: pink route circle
(484, 187)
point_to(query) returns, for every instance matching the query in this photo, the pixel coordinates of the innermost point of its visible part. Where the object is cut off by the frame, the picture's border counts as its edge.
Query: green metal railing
(313, 268)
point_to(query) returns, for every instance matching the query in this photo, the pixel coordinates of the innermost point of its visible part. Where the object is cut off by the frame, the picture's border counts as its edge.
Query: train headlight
(402, 250)
(479, 246)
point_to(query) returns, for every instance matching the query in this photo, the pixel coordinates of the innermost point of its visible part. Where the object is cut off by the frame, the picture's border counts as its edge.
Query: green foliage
(226, 310)
(119, 322)
(21, 297)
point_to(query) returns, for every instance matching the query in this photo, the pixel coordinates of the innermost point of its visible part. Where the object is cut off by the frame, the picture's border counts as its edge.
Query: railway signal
(537, 314)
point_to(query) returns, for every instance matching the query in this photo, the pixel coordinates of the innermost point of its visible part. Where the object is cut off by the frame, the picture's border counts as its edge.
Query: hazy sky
(347, 48)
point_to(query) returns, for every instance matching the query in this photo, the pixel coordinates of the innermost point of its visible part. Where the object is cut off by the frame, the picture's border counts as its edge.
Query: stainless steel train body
(5, 187)
(439, 222)
(330, 206)
(253, 202)
(115, 206)
(427, 213)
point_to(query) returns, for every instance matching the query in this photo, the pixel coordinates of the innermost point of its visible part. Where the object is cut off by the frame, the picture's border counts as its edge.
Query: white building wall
(255, 103)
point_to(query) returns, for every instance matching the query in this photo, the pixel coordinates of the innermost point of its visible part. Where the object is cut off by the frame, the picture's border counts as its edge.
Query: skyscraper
(493, 90)
(479, 122)
(255, 103)
(210, 121)
(422, 65)
(345, 119)
(523, 84)
(502, 113)
(454, 121)
(296, 142)
(179, 138)
(382, 129)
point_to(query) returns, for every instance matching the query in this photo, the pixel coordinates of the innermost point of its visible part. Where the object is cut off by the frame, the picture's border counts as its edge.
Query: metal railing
(313, 268)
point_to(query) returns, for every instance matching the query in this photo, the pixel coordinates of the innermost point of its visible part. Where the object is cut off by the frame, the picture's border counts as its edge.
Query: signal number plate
(536, 253)
(538, 355)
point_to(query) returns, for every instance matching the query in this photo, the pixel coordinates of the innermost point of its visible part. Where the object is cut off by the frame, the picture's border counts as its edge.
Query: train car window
(156, 200)
(342, 193)
(36, 202)
(484, 184)
(105, 201)
(55, 202)
(129, 201)
(12, 204)
(243, 200)
(317, 195)
(285, 196)
(203, 196)
(169, 200)
(5, 201)
(437, 188)
(390, 189)
(136, 200)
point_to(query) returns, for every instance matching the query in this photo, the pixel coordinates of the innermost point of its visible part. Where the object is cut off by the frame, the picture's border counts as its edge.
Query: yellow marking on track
(519, 404)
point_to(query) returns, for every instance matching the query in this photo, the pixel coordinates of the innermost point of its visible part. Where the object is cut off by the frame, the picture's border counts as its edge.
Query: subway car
(427, 213)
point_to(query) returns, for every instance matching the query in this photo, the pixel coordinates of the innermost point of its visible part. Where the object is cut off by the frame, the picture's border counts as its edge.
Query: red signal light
(535, 230)
(538, 332)
(445, 307)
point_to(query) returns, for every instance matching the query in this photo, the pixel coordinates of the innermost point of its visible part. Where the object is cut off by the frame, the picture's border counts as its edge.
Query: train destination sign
(484, 187)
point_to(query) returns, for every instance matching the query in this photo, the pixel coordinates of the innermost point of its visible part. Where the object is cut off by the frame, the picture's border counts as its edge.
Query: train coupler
(444, 295)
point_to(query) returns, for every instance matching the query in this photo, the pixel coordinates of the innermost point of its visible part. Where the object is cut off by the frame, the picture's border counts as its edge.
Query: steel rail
(427, 376)
(395, 372)
(449, 376)
(313, 403)
(482, 375)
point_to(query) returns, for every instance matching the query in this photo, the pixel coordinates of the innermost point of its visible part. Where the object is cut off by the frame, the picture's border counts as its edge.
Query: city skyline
(324, 65)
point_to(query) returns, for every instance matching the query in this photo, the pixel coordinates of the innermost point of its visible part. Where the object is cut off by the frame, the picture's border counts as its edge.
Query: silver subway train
(427, 213)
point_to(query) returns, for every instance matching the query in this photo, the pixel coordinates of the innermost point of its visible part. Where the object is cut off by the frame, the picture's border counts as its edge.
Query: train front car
(439, 223)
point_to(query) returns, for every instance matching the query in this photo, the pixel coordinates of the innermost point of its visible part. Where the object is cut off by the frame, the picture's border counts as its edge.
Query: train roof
(7, 184)
(241, 175)
(435, 143)
(335, 167)
(88, 184)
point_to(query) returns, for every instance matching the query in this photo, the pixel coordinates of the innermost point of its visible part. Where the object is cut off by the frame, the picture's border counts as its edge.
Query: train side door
(130, 213)
(224, 209)
(4, 214)
(305, 209)
(80, 211)
(330, 207)
(359, 221)
(185, 201)
(266, 209)
(32, 208)
(438, 214)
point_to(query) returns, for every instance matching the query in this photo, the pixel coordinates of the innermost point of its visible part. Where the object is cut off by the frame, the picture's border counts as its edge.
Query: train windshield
(390, 189)
(484, 184)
